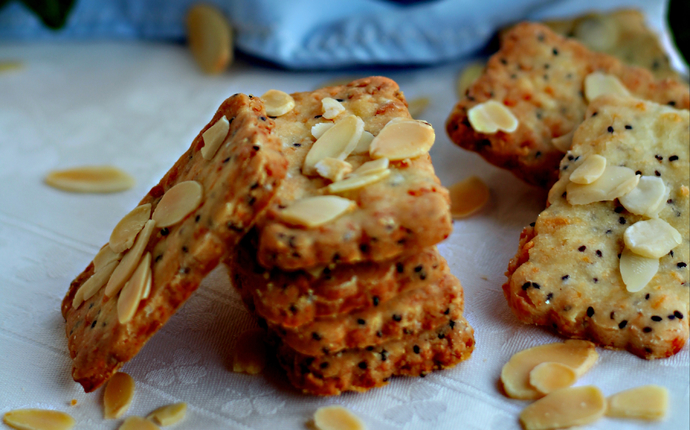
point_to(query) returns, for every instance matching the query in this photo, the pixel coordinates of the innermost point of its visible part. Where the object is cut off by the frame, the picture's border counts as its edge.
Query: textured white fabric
(137, 106)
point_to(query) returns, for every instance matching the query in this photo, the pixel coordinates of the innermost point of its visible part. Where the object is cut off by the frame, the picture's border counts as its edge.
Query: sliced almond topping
(130, 261)
(614, 183)
(468, 75)
(590, 170)
(105, 256)
(550, 376)
(417, 106)
(567, 407)
(178, 202)
(169, 414)
(277, 103)
(403, 139)
(331, 108)
(336, 142)
(138, 423)
(132, 293)
(376, 166)
(364, 143)
(315, 211)
(647, 198)
(250, 352)
(210, 38)
(652, 238)
(94, 283)
(38, 419)
(358, 181)
(636, 270)
(90, 179)
(118, 395)
(579, 355)
(467, 197)
(563, 143)
(147, 287)
(124, 233)
(597, 84)
(337, 418)
(333, 169)
(649, 402)
(214, 136)
(317, 130)
(492, 116)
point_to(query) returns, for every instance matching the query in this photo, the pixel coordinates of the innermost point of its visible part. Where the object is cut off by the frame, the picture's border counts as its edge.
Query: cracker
(566, 272)
(238, 183)
(539, 76)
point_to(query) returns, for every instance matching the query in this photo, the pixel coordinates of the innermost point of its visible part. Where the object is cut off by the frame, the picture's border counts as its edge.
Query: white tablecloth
(138, 106)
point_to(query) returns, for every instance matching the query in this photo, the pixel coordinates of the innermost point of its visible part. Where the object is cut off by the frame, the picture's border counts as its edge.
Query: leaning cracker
(566, 273)
(237, 184)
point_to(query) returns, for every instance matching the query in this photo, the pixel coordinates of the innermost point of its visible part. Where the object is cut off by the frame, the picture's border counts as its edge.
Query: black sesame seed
(646, 296)
(671, 317)
(595, 113)
(452, 324)
(622, 220)
(256, 147)
(659, 157)
(609, 231)
(647, 329)
(672, 103)
(165, 231)
(532, 224)
(317, 117)
(681, 265)
(536, 286)
(656, 172)
(673, 158)
(628, 127)
(612, 314)
(416, 349)
(639, 172)
(582, 248)
(599, 253)
(622, 324)
(297, 145)
(360, 321)
(397, 317)
(226, 160)
(364, 248)
(678, 315)
(323, 365)
(293, 309)
(185, 249)
(619, 209)
(555, 51)
(418, 268)
(340, 100)
(93, 324)
(565, 277)
(549, 296)
(590, 312)
(610, 129)
(158, 258)
(375, 300)
(503, 61)
(570, 158)
(370, 348)
(595, 280)
(315, 336)
(441, 335)
(447, 311)
(399, 267)
(526, 285)
(656, 318)
(379, 333)
(362, 365)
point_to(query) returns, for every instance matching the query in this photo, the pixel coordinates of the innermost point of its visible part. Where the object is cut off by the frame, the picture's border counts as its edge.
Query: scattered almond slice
(331, 108)
(132, 293)
(337, 418)
(375, 166)
(94, 283)
(467, 197)
(417, 106)
(90, 179)
(403, 139)
(637, 271)
(589, 170)
(38, 419)
(550, 376)
(336, 142)
(315, 211)
(213, 137)
(333, 169)
(277, 102)
(580, 355)
(597, 84)
(614, 182)
(124, 233)
(647, 198)
(130, 261)
(210, 38)
(118, 395)
(169, 414)
(490, 117)
(563, 143)
(567, 407)
(357, 181)
(467, 77)
(178, 202)
(105, 256)
(138, 423)
(250, 352)
(364, 143)
(648, 402)
(147, 287)
(317, 130)
(652, 238)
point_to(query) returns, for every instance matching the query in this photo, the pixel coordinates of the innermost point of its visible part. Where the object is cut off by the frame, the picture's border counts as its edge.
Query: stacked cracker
(342, 266)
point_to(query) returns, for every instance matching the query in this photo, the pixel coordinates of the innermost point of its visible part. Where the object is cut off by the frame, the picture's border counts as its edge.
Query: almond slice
(597, 84)
(105, 256)
(647, 198)
(358, 181)
(213, 137)
(178, 202)
(90, 179)
(403, 139)
(467, 77)
(563, 143)
(147, 287)
(589, 170)
(417, 106)
(315, 211)
(566, 407)
(648, 402)
(138, 423)
(250, 352)
(637, 271)
(336, 142)
(169, 414)
(337, 418)
(38, 419)
(364, 143)
(118, 395)
(333, 169)
(124, 233)
(132, 293)
(130, 261)
(94, 283)
(277, 103)
(550, 376)
(492, 116)
(614, 183)
(331, 108)
(467, 197)
(210, 38)
(376, 166)
(580, 355)
(317, 130)
(652, 238)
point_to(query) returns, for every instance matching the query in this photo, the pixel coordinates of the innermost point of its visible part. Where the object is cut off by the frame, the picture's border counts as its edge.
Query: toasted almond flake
(550, 376)
(467, 197)
(492, 116)
(90, 179)
(105, 256)
(336, 142)
(467, 77)
(147, 287)
(597, 33)
(333, 169)
(647, 198)
(358, 181)
(375, 166)
(337, 418)
(124, 233)
(250, 354)
(597, 84)
(567, 407)
(417, 106)
(403, 139)
(317, 130)
(563, 143)
(118, 395)
(138, 423)
(580, 355)
(637, 271)
(589, 170)
(652, 238)
(614, 183)
(331, 108)
(648, 402)
(213, 137)
(315, 211)
(130, 261)
(38, 419)
(364, 143)
(210, 38)
(277, 103)
(94, 283)
(169, 414)
(178, 202)
(132, 293)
